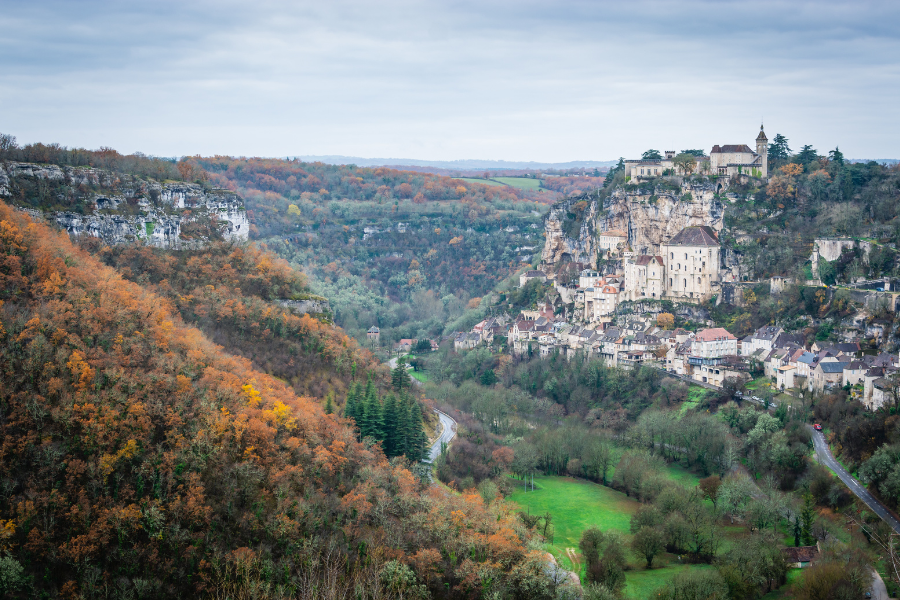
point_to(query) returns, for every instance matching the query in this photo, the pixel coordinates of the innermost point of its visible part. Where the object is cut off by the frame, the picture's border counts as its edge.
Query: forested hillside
(138, 459)
(404, 251)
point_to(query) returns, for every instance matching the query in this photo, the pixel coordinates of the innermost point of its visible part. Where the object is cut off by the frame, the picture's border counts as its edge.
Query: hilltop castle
(725, 161)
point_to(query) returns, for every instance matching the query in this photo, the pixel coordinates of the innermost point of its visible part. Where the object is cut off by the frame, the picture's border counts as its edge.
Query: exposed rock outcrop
(653, 219)
(124, 209)
(650, 217)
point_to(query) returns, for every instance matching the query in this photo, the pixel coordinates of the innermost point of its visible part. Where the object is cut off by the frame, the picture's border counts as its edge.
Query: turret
(762, 149)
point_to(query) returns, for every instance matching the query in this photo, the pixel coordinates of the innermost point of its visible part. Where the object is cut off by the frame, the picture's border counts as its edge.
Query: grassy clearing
(696, 395)
(787, 590)
(577, 505)
(481, 181)
(520, 182)
(419, 375)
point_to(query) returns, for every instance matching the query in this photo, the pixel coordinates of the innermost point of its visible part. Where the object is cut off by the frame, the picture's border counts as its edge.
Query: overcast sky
(517, 80)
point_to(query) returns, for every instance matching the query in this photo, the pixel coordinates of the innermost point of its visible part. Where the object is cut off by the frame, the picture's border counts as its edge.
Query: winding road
(448, 432)
(823, 456)
(448, 424)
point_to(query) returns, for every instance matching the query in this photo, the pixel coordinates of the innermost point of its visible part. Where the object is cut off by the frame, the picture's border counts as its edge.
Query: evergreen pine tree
(351, 406)
(416, 446)
(401, 439)
(399, 377)
(329, 403)
(374, 418)
(391, 421)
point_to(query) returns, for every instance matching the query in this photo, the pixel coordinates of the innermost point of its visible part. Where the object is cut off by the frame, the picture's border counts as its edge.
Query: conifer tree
(329, 403)
(351, 406)
(374, 419)
(399, 377)
(391, 422)
(416, 446)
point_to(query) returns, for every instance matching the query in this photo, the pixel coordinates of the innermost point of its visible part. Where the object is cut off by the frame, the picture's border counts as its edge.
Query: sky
(517, 80)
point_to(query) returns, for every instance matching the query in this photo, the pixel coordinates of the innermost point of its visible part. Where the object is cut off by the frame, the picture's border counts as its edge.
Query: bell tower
(762, 149)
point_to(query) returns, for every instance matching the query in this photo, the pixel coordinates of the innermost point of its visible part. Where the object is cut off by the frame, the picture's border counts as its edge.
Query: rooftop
(695, 236)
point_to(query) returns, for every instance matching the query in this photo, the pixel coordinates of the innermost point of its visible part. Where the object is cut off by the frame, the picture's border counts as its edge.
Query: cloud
(504, 80)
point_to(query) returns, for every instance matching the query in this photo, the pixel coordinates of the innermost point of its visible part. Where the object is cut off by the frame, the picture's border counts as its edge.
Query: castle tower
(762, 148)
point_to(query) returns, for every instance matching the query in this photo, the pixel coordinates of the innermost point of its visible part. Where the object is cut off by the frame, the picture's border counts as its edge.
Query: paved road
(448, 425)
(879, 590)
(823, 454)
(448, 432)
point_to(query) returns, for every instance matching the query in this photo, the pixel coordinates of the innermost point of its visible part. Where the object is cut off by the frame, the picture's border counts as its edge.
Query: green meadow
(481, 181)
(525, 183)
(577, 505)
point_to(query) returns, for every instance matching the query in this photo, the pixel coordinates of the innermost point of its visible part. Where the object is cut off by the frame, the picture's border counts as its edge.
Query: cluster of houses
(708, 356)
(686, 270)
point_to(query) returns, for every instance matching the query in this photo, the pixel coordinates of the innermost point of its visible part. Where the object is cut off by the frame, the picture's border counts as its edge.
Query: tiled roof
(645, 259)
(695, 236)
(716, 333)
(832, 367)
(731, 148)
(614, 233)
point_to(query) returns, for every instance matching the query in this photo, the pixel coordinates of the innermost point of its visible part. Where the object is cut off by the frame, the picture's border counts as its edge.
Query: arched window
(671, 255)
(685, 284)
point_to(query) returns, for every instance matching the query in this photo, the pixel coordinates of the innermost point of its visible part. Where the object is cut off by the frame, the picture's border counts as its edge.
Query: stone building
(735, 159)
(612, 241)
(373, 335)
(692, 263)
(726, 160)
(644, 277)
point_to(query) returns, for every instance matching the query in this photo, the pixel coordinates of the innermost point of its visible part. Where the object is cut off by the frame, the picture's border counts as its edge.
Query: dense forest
(138, 458)
(404, 251)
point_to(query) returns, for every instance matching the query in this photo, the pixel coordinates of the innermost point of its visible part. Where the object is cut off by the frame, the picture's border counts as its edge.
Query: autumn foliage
(138, 459)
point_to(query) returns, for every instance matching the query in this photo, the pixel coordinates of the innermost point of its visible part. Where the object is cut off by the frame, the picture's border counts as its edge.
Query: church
(724, 161)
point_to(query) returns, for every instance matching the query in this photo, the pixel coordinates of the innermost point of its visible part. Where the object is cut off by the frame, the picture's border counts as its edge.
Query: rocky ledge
(124, 209)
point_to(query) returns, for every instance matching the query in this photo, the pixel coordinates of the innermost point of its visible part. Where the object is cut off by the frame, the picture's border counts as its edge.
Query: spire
(762, 134)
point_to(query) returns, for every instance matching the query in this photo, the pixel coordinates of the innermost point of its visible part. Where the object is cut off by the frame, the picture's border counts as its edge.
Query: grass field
(419, 375)
(481, 181)
(519, 182)
(577, 505)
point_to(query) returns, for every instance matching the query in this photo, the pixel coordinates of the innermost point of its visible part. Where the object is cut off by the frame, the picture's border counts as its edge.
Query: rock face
(562, 221)
(124, 210)
(311, 305)
(650, 217)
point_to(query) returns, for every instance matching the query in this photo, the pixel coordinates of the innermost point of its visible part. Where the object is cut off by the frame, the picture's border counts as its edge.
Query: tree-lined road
(823, 454)
(448, 432)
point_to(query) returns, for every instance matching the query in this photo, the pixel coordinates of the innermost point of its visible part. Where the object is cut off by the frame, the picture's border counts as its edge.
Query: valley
(313, 325)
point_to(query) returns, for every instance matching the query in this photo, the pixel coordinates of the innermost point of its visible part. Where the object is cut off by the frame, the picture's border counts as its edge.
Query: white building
(692, 263)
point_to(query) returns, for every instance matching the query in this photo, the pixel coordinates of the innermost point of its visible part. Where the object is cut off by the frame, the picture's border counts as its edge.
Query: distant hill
(463, 164)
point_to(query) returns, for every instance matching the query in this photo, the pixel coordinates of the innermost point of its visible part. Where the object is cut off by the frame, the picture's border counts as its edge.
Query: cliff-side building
(692, 263)
(737, 159)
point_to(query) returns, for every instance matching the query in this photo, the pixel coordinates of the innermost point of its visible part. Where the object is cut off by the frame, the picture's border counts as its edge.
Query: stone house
(713, 343)
(692, 263)
(827, 375)
(612, 241)
(644, 277)
(373, 334)
(529, 275)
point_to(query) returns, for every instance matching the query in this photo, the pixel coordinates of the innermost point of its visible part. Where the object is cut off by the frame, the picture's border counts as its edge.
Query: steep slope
(138, 459)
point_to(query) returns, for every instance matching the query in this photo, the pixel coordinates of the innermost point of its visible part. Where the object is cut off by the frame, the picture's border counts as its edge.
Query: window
(670, 282)
(685, 256)
(671, 255)
(685, 284)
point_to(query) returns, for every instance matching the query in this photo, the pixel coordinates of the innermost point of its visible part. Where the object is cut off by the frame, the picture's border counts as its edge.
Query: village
(685, 272)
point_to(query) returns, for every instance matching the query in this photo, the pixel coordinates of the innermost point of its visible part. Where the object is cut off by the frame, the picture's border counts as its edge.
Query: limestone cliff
(120, 209)
(650, 216)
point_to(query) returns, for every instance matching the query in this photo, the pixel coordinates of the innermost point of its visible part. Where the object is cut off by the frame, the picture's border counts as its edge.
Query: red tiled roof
(716, 333)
